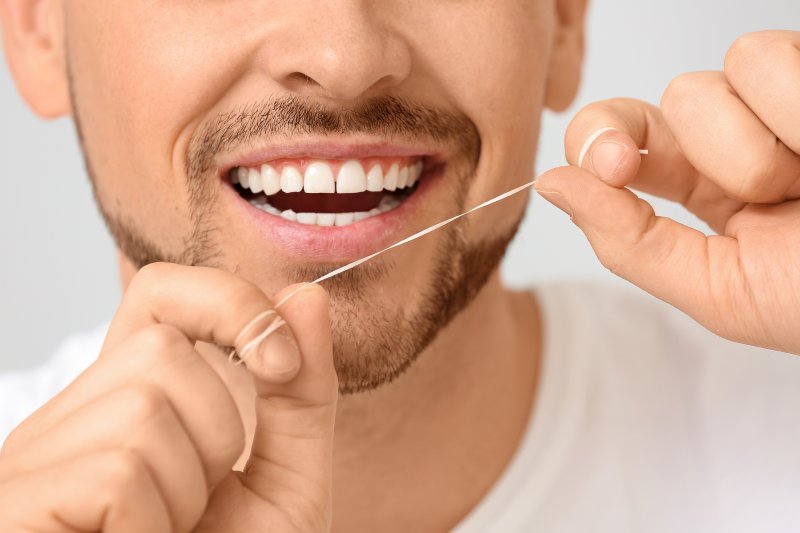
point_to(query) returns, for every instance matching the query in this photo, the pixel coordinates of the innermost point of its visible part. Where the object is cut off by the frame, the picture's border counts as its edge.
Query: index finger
(205, 304)
(605, 138)
(625, 126)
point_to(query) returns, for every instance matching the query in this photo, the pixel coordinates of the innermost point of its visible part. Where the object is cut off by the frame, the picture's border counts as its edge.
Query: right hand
(146, 438)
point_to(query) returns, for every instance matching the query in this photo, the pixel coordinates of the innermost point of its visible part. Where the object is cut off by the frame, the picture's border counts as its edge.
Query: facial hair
(373, 343)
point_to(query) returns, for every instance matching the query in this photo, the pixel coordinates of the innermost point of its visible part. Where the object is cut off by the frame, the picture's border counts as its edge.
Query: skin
(723, 145)
(137, 151)
(131, 446)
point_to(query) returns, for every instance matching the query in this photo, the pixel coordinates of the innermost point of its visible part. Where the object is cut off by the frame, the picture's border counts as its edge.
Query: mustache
(289, 116)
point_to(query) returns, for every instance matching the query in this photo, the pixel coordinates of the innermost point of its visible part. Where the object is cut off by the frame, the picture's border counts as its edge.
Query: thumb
(290, 461)
(669, 260)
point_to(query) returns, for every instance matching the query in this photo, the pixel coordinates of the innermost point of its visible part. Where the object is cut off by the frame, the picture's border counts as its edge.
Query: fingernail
(557, 199)
(279, 354)
(606, 158)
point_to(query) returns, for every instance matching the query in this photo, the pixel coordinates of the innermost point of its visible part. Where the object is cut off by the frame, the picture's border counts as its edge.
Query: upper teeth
(319, 178)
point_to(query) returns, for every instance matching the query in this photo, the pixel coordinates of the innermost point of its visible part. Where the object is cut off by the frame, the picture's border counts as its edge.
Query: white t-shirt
(643, 422)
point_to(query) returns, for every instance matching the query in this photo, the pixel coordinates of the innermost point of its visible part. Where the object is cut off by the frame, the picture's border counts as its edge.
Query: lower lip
(339, 243)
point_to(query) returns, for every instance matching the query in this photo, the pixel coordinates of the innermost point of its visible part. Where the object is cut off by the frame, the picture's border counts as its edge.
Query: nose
(339, 49)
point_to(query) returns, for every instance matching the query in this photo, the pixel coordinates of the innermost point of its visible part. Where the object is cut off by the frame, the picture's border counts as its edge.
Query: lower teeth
(326, 219)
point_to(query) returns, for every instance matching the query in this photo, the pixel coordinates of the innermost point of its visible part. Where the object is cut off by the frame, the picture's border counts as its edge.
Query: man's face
(181, 101)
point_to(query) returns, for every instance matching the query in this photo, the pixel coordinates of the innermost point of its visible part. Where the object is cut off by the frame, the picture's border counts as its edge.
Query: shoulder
(25, 390)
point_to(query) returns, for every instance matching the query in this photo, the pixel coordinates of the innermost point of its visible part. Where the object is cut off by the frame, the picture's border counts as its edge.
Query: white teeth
(261, 203)
(291, 180)
(414, 172)
(344, 219)
(270, 180)
(243, 174)
(390, 180)
(326, 219)
(319, 178)
(351, 178)
(254, 180)
(402, 180)
(375, 179)
(319, 219)
(307, 218)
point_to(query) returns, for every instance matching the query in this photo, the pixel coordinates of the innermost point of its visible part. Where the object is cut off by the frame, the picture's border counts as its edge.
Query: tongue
(301, 202)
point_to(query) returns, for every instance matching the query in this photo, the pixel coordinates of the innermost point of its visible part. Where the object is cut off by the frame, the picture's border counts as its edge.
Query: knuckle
(682, 89)
(746, 49)
(592, 116)
(147, 275)
(152, 270)
(122, 470)
(161, 346)
(145, 402)
(600, 112)
(634, 237)
(161, 339)
(589, 119)
(594, 110)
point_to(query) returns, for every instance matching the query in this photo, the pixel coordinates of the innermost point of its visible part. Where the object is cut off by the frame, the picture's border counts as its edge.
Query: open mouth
(328, 192)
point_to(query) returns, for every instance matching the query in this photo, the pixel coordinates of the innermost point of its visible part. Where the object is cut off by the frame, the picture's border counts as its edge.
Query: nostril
(302, 79)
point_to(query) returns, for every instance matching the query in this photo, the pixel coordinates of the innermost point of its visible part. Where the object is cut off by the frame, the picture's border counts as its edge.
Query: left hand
(726, 145)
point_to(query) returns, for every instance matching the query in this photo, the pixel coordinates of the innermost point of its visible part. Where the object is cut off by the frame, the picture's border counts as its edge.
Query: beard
(373, 343)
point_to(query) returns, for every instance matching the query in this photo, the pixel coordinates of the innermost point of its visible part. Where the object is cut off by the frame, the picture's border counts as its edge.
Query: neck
(435, 440)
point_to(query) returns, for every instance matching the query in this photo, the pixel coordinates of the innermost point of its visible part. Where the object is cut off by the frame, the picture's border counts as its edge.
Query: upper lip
(322, 149)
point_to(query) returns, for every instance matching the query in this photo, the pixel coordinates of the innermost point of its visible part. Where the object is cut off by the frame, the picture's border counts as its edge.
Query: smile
(328, 192)
(334, 202)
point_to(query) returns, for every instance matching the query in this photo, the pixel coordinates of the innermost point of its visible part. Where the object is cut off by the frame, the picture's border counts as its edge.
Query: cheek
(147, 72)
(498, 79)
(497, 75)
(142, 77)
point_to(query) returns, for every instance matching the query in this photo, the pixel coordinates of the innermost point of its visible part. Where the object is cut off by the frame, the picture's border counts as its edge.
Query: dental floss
(590, 141)
(422, 233)
(238, 359)
(253, 344)
(279, 322)
(407, 240)
(588, 144)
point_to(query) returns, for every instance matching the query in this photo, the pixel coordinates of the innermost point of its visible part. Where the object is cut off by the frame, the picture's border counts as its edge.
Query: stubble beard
(373, 343)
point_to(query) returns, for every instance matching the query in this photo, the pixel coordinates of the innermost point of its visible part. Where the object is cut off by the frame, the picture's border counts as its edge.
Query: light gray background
(58, 270)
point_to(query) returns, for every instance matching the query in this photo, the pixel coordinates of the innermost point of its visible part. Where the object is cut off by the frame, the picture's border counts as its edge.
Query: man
(239, 149)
